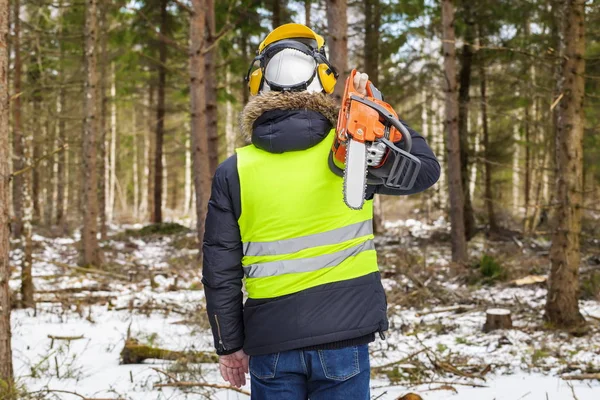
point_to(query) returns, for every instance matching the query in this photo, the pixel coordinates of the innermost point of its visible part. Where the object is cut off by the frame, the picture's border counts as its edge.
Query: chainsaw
(369, 135)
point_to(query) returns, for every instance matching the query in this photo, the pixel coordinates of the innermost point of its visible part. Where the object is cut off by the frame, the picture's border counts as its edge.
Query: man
(277, 221)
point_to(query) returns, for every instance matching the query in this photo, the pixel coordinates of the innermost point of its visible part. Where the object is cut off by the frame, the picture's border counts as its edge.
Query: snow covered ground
(439, 352)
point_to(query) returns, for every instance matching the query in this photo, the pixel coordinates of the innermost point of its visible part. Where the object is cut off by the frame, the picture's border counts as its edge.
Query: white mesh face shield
(291, 67)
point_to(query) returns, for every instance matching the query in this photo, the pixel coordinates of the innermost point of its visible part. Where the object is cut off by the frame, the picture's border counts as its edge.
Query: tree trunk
(25, 179)
(337, 39)
(246, 61)
(151, 151)
(458, 239)
(198, 139)
(489, 203)
(516, 170)
(371, 48)
(6, 368)
(35, 143)
(211, 90)
(562, 307)
(160, 116)
(438, 142)
(61, 178)
(17, 184)
(230, 135)
(135, 166)
(102, 99)
(112, 156)
(371, 61)
(463, 118)
(145, 161)
(276, 17)
(90, 250)
(61, 173)
(187, 193)
(307, 9)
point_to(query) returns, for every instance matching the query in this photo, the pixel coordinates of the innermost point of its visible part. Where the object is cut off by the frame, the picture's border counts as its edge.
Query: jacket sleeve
(222, 271)
(428, 174)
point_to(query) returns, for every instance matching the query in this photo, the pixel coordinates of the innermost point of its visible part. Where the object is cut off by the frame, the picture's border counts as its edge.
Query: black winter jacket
(334, 315)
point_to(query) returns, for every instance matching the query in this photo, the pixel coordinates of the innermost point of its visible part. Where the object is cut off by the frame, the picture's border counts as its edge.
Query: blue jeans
(312, 374)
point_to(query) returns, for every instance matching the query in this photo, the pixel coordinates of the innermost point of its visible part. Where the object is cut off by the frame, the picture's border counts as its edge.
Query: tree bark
(307, 12)
(211, 89)
(463, 117)
(151, 151)
(103, 100)
(17, 185)
(371, 62)
(135, 166)
(198, 139)
(6, 368)
(458, 239)
(160, 116)
(489, 204)
(26, 206)
(337, 39)
(562, 306)
(371, 48)
(90, 250)
(61, 173)
(111, 178)
(246, 61)
(276, 17)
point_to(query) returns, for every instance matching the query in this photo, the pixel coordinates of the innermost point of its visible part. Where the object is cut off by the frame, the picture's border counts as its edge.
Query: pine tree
(6, 367)
(562, 306)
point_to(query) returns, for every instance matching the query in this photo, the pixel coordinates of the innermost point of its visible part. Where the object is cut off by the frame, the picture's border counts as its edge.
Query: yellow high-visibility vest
(297, 233)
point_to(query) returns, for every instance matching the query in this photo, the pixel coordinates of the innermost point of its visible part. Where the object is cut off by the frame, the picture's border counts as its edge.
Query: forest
(116, 113)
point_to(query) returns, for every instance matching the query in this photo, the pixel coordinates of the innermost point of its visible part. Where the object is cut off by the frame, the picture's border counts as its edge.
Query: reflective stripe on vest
(296, 231)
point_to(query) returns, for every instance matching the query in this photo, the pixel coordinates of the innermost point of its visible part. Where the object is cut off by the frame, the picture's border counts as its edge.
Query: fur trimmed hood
(259, 104)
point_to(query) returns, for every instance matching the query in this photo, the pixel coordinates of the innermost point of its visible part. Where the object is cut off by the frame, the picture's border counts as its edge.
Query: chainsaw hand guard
(405, 168)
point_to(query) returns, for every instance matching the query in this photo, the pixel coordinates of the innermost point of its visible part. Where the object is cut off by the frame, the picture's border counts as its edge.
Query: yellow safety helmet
(297, 37)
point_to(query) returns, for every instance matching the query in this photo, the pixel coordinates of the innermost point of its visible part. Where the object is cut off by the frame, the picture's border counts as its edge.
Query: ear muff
(255, 82)
(327, 76)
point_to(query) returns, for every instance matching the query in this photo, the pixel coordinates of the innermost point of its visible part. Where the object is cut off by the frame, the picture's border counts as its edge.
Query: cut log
(497, 318)
(410, 396)
(135, 353)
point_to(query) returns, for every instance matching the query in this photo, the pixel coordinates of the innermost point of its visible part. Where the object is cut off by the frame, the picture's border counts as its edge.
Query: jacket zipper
(219, 332)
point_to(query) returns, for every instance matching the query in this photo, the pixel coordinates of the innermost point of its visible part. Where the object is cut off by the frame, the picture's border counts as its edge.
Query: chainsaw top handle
(389, 117)
(351, 88)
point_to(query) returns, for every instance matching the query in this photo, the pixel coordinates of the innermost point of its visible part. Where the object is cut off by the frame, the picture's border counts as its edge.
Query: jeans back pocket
(264, 366)
(340, 364)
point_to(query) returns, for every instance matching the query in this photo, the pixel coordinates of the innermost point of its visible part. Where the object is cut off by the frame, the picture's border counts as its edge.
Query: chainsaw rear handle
(390, 118)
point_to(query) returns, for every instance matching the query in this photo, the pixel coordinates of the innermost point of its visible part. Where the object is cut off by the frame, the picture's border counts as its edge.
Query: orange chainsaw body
(360, 121)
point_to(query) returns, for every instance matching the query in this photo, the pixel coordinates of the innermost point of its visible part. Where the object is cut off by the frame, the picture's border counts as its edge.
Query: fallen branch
(135, 353)
(67, 338)
(581, 377)
(402, 361)
(73, 394)
(201, 384)
(457, 310)
(449, 383)
(87, 270)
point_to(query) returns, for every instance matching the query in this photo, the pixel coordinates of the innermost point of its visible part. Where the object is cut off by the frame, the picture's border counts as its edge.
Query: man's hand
(234, 368)
(360, 82)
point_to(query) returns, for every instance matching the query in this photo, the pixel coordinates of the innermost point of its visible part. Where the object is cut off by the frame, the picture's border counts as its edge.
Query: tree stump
(497, 318)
